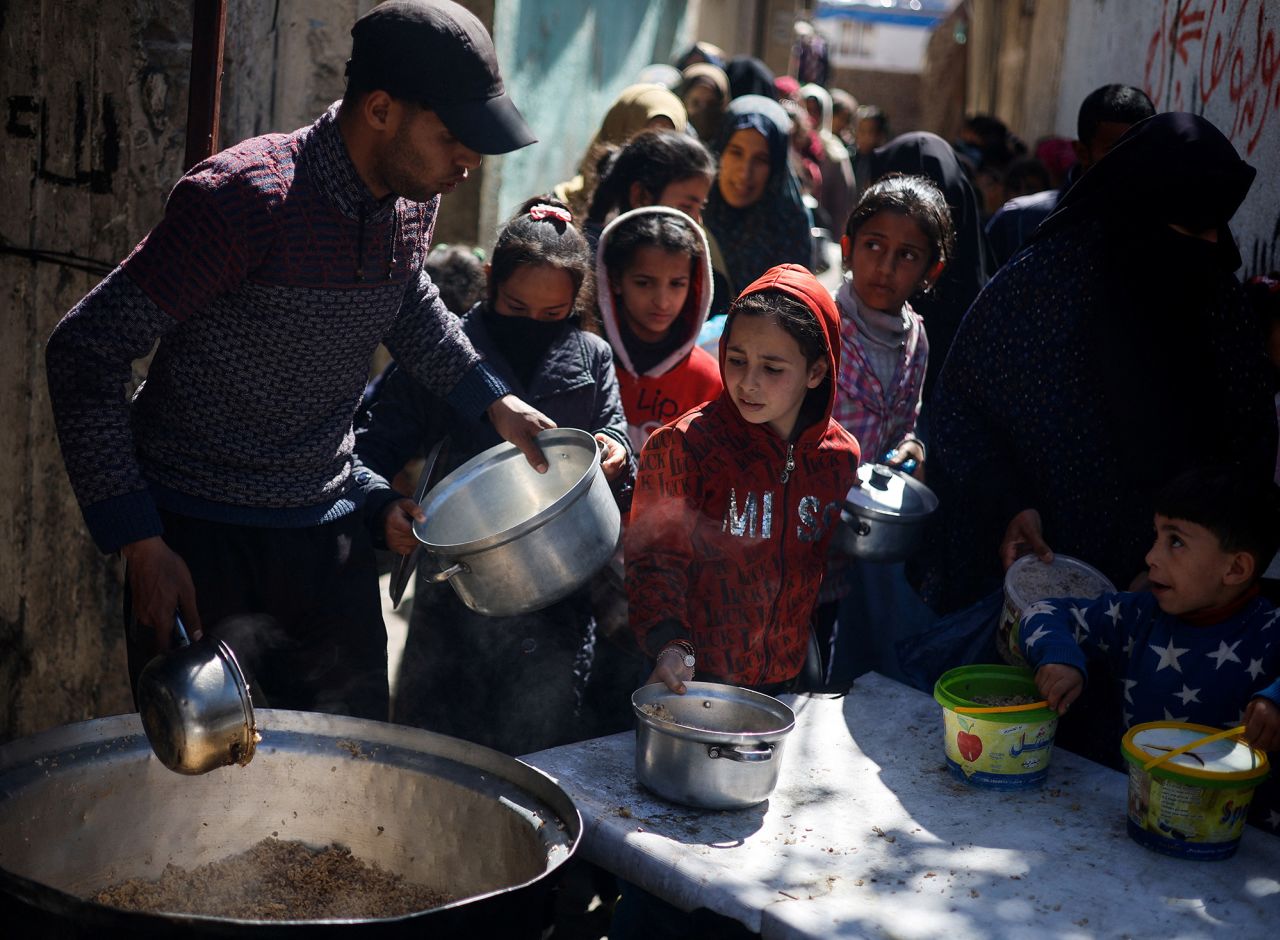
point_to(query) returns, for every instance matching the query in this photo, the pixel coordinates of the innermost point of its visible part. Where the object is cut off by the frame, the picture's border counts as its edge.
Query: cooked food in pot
(277, 880)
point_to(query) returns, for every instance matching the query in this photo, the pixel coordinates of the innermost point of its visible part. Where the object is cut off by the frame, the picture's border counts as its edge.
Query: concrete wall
(1212, 57)
(95, 100)
(565, 62)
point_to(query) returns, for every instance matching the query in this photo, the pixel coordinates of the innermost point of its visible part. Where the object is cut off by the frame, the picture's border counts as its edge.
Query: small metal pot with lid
(884, 515)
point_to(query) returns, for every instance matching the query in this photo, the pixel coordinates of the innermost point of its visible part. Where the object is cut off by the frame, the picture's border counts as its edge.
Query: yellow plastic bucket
(995, 750)
(1192, 805)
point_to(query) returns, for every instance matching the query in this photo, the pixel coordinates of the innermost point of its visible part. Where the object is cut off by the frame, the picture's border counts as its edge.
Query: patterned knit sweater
(269, 283)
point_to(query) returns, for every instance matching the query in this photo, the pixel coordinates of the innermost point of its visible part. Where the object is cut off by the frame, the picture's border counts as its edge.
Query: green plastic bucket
(996, 750)
(1192, 805)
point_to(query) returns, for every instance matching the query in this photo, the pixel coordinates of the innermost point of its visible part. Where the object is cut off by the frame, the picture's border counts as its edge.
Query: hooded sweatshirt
(685, 377)
(727, 544)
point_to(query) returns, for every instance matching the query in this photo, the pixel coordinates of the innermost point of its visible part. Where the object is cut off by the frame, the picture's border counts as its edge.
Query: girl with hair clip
(517, 684)
(653, 280)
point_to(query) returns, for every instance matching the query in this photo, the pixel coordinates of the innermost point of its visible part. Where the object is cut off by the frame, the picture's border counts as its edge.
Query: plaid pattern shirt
(880, 418)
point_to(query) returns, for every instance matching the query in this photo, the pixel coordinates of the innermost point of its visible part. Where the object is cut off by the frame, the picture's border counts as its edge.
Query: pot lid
(887, 492)
(1224, 760)
(432, 469)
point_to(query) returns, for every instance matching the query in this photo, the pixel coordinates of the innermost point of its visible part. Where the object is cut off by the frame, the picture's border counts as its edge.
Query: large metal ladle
(195, 706)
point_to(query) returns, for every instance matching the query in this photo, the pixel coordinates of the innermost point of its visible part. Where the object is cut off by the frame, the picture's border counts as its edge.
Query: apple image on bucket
(970, 745)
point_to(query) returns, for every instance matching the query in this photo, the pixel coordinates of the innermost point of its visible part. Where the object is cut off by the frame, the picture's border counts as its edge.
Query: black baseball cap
(438, 54)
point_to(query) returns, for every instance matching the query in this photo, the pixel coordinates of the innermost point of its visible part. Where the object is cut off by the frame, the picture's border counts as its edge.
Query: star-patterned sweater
(1172, 670)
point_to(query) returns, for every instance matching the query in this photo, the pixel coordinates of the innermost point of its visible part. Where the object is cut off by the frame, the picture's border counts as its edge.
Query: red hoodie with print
(727, 546)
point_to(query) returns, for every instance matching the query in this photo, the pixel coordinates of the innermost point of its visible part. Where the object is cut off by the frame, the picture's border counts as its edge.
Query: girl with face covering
(755, 209)
(1112, 354)
(638, 107)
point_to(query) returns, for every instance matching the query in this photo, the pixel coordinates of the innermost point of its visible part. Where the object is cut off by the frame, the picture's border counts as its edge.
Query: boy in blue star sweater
(1199, 644)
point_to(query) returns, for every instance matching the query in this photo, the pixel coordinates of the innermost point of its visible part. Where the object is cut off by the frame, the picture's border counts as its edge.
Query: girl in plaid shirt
(896, 243)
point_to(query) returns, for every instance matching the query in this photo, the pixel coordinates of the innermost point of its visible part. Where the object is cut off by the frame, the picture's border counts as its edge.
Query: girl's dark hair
(551, 241)
(799, 322)
(655, 159)
(670, 231)
(918, 199)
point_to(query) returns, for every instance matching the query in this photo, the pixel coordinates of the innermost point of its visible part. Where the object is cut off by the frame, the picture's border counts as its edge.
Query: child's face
(744, 168)
(537, 291)
(688, 195)
(867, 136)
(766, 374)
(1189, 570)
(652, 291)
(890, 260)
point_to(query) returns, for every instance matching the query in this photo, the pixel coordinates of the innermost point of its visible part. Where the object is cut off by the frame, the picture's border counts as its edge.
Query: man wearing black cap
(227, 483)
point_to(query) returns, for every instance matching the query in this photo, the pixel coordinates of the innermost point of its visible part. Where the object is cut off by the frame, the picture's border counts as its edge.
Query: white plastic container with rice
(1029, 580)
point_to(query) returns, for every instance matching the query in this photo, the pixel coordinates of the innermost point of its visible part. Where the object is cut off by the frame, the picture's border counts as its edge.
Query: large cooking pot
(715, 747)
(88, 805)
(511, 540)
(884, 516)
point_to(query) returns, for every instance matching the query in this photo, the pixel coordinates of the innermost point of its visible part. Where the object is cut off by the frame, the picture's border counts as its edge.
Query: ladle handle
(180, 631)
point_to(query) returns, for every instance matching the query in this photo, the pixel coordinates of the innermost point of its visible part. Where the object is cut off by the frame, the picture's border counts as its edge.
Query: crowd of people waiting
(1059, 343)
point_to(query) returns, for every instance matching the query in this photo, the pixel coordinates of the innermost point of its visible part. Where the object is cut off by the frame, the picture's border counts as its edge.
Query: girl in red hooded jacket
(737, 499)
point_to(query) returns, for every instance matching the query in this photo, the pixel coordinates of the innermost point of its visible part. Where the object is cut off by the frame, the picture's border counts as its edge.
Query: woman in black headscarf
(1111, 355)
(755, 210)
(924, 154)
(750, 76)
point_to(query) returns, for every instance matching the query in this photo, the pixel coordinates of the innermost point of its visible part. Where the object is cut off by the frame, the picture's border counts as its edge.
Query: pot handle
(181, 637)
(440, 577)
(741, 754)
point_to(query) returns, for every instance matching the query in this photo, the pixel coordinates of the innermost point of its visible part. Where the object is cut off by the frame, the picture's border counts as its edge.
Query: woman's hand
(613, 457)
(397, 525)
(671, 670)
(1024, 536)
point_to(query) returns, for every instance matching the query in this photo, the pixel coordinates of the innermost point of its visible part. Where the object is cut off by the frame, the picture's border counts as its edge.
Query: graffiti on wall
(74, 155)
(1217, 54)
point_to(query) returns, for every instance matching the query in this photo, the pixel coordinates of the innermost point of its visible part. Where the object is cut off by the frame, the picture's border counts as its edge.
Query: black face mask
(522, 341)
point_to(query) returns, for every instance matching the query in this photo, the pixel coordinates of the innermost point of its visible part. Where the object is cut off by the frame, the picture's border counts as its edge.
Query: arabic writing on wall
(1219, 54)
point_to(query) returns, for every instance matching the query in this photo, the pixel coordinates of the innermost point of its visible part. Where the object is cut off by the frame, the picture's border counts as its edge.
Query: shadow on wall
(564, 63)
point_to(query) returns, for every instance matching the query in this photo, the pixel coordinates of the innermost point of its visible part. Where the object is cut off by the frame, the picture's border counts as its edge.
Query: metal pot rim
(506, 450)
(647, 695)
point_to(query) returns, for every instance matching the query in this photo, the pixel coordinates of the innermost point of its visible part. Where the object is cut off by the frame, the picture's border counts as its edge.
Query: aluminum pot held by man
(511, 540)
(884, 515)
(87, 806)
(715, 747)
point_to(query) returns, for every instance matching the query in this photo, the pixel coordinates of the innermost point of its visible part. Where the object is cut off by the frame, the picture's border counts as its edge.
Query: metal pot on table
(511, 540)
(884, 516)
(715, 747)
